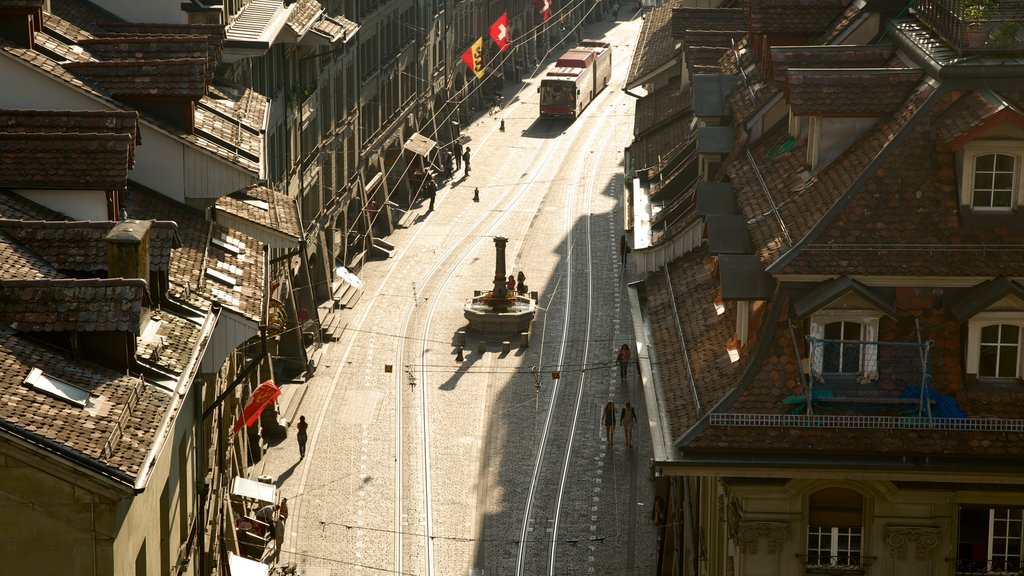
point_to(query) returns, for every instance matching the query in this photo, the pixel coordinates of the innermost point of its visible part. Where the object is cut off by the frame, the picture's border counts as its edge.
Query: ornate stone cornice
(750, 534)
(897, 539)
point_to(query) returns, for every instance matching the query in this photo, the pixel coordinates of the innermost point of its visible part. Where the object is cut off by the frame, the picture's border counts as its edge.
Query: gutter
(656, 415)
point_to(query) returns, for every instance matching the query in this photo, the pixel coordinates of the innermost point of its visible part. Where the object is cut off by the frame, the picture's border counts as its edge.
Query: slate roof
(200, 251)
(115, 430)
(61, 305)
(280, 215)
(81, 246)
(655, 47)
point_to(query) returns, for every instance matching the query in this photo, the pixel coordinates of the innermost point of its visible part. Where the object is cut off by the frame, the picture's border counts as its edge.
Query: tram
(576, 79)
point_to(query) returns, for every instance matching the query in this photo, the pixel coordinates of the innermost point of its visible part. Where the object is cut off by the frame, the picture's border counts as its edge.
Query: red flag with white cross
(499, 32)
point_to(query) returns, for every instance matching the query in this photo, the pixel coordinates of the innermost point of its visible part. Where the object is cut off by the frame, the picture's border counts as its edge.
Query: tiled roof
(280, 212)
(971, 115)
(185, 77)
(303, 16)
(651, 149)
(242, 105)
(793, 16)
(704, 51)
(786, 57)
(60, 50)
(115, 430)
(663, 104)
(904, 222)
(834, 34)
(17, 207)
(121, 47)
(85, 15)
(705, 332)
(81, 246)
(169, 342)
(63, 305)
(801, 204)
(20, 262)
(213, 33)
(685, 19)
(655, 47)
(67, 161)
(228, 132)
(71, 121)
(201, 249)
(335, 28)
(849, 92)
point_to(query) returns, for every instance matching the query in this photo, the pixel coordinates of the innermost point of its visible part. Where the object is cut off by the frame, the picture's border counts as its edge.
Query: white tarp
(347, 275)
(239, 566)
(253, 489)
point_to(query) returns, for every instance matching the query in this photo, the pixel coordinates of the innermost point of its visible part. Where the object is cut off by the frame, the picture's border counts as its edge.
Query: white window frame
(868, 319)
(834, 552)
(1012, 148)
(979, 321)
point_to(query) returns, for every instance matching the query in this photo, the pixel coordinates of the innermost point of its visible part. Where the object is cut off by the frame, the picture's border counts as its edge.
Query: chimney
(128, 250)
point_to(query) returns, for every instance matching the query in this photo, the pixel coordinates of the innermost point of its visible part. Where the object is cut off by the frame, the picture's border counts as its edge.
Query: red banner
(264, 394)
(499, 32)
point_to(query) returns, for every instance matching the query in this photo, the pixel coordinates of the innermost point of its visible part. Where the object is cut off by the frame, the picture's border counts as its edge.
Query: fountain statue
(499, 309)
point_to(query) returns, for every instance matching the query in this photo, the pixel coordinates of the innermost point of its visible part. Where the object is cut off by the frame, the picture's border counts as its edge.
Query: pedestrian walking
(282, 511)
(301, 436)
(623, 250)
(628, 418)
(622, 359)
(465, 159)
(457, 149)
(521, 283)
(476, 194)
(609, 422)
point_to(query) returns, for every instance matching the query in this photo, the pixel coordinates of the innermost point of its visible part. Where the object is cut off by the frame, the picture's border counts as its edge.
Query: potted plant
(1005, 35)
(975, 33)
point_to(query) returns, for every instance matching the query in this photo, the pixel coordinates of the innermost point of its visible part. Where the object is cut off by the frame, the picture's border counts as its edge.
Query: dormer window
(994, 345)
(991, 176)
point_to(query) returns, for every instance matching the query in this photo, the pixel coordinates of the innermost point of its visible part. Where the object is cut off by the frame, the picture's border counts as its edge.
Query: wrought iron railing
(972, 26)
(988, 567)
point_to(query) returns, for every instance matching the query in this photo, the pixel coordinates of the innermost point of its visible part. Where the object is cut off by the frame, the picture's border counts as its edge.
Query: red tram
(576, 79)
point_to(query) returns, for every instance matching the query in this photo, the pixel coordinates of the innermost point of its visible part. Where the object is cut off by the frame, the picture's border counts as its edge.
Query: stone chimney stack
(128, 250)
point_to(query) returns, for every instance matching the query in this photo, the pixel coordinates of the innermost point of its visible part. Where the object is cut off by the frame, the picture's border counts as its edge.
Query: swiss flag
(499, 32)
(264, 394)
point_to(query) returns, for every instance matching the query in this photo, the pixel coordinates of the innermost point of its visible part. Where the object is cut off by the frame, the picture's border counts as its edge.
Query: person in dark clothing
(301, 436)
(446, 161)
(609, 421)
(465, 159)
(622, 359)
(623, 249)
(521, 283)
(628, 418)
(430, 191)
(457, 149)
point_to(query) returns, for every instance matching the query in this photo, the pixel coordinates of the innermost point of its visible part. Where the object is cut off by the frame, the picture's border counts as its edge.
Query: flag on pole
(499, 32)
(264, 394)
(545, 9)
(474, 57)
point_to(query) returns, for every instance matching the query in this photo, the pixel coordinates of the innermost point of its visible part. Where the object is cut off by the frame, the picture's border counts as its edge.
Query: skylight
(256, 203)
(225, 243)
(56, 388)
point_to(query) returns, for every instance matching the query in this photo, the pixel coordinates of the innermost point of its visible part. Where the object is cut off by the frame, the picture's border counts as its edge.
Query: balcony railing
(988, 568)
(972, 26)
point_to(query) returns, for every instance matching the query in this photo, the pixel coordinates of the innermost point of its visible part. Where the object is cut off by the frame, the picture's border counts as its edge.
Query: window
(994, 345)
(994, 175)
(999, 351)
(844, 344)
(990, 175)
(989, 540)
(835, 529)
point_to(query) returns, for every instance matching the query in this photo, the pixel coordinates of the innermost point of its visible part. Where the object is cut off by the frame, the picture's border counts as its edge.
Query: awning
(253, 489)
(347, 275)
(239, 566)
(419, 144)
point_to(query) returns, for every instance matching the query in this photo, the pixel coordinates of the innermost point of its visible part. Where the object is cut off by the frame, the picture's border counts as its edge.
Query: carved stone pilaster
(925, 538)
(750, 534)
(730, 566)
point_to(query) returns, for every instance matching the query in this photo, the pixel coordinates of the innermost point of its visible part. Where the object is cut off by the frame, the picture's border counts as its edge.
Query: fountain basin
(515, 317)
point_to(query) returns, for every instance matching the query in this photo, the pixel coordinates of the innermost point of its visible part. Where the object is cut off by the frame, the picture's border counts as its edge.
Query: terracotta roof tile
(685, 19)
(303, 16)
(969, 114)
(62, 305)
(85, 16)
(650, 150)
(71, 121)
(849, 92)
(122, 47)
(335, 28)
(201, 250)
(170, 344)
(242, 105)
(117, 427)
(655, 47)
(214, 34)
(786, 57)
(264, 207)
(20, 262)
(60, 50)
(834, 34)
(212, 124)
(662, 105)
(81, 246)
(185, 77)
(17, 207)
(794, 16)
(66, 161)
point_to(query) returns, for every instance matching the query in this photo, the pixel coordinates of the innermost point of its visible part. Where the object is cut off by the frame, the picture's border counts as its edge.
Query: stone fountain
(497, 310)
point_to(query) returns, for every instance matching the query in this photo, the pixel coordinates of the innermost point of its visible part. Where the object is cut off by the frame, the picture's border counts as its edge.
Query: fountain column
(500, 290)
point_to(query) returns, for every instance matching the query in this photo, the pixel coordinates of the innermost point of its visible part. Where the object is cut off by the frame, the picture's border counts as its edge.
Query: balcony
(975, 26)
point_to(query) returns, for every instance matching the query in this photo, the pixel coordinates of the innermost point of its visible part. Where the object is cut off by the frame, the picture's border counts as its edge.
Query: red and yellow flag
(474, 57)
(264, 394)
(499, 32)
